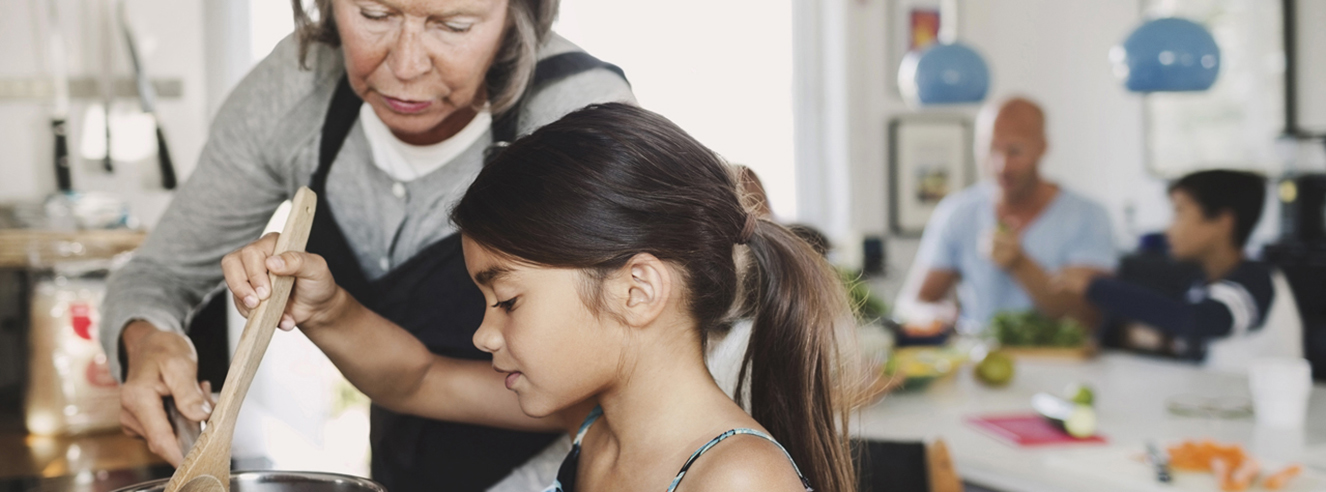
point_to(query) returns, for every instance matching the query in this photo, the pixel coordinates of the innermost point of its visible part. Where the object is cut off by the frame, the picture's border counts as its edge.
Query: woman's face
(553, 349)
(420, 63)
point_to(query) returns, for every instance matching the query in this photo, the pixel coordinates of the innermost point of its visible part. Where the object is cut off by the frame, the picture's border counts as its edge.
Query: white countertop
(1131, 392)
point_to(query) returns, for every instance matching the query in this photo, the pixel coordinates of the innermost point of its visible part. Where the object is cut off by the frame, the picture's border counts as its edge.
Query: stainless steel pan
(279, 481)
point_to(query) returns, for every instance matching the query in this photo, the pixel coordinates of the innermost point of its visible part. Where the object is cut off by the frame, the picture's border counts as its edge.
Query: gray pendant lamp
(946, 72)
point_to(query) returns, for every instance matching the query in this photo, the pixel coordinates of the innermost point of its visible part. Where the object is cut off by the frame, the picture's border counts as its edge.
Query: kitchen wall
(172, 46)
(1053, 51)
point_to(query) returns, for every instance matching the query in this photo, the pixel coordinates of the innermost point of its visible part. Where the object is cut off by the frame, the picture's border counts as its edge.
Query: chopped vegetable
(1234, 468)
(1197, 455)
(1031, 328)
(1077, 420)
(1278, 480)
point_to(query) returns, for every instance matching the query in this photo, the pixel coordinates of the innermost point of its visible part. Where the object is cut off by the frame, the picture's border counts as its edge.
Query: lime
(1080, 394)
(996, 369)
(1081, 423)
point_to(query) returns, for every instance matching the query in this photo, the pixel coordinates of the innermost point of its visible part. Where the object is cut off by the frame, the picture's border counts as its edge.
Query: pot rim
(367, 484)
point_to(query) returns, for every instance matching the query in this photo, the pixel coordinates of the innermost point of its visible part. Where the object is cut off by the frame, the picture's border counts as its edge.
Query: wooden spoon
(207, 467)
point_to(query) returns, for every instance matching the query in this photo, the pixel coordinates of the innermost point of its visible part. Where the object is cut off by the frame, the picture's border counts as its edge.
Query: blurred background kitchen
(807, 93)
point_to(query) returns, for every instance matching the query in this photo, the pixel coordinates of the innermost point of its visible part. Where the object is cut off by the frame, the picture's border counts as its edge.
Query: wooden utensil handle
(264, 318)
(207, 467)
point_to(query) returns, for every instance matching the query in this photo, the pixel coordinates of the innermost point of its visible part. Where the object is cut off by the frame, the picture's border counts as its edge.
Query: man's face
(1016, 147)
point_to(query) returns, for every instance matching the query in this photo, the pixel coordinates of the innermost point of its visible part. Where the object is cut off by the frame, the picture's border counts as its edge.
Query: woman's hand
(314, 299)
(161, 363)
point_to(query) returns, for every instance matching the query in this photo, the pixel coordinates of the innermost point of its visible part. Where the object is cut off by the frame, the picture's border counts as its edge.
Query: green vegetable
(996, 369)
(865, 305)
(1080, 394)
(1032, 329)
(1075, 419)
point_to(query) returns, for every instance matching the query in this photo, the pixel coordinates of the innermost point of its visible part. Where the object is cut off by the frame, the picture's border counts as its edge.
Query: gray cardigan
(263, 145)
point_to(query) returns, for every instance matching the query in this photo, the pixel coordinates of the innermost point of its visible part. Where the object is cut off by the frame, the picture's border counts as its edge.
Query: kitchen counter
(1131, 397)
(94, 462)
(18, 247)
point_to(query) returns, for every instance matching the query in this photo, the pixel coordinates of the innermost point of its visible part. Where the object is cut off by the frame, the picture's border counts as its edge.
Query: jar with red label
(70, 387)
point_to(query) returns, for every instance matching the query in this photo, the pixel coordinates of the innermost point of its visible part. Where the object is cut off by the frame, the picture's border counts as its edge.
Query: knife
(186, 431)
(147, 98)
(106, 14)
(1158, 461)
(60, 86)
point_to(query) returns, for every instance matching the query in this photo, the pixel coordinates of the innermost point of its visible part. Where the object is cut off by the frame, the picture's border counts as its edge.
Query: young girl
(608, 246)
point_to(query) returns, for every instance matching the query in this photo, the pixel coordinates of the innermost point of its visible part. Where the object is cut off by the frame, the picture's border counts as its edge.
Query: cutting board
(1027, 429)
(1124, 467)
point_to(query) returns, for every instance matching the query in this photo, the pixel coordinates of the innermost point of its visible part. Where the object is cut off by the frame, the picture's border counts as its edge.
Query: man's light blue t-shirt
(1071, 231)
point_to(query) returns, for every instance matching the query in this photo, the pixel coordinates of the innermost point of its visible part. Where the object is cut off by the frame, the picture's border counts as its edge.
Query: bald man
(1001, 241)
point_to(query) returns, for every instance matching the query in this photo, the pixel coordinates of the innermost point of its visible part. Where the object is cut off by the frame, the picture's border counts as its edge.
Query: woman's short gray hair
(528, 23)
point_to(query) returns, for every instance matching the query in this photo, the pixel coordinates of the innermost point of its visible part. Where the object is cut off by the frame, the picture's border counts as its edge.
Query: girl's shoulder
(741, 462)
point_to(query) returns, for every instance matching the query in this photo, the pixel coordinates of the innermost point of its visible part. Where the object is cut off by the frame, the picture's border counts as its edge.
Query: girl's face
(418, 63)
(553, 349)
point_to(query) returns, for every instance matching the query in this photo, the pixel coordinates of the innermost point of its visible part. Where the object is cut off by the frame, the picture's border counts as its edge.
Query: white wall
(1053, 51)
(1312, 69)
(722, 70)
(171, 34)
(1057, 53)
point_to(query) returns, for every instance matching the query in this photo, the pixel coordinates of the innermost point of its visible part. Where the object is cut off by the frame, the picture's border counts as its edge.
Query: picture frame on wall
(914, 25)
(930, 157)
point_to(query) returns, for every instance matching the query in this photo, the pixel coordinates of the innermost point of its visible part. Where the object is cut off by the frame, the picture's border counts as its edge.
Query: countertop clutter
(96, 462)
(1135, 399)
(58, 404)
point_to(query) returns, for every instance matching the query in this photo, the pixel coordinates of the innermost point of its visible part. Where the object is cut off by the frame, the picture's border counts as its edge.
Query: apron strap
(548, 70)
(341, 117)
(325, 238)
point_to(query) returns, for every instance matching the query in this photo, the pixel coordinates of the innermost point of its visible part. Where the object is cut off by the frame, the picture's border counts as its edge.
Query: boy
(1214, 213)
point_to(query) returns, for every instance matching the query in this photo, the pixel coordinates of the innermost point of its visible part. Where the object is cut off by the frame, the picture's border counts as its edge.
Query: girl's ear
(647, 283)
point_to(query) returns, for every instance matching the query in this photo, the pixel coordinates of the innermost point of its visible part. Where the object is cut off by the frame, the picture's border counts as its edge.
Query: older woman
(386, 108)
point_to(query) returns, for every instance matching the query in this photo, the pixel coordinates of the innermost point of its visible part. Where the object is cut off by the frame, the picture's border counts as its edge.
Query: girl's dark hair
(528, 23)
(608, 182)
(1240, 193)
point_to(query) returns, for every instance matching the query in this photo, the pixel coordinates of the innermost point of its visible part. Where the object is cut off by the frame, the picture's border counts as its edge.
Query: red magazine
(1027, 430)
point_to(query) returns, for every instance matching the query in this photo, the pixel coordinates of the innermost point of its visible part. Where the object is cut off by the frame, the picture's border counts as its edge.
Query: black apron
(431, 296)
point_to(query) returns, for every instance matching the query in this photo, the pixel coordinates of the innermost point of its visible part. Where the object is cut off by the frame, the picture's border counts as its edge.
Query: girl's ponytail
(791, 372)
(611, 181)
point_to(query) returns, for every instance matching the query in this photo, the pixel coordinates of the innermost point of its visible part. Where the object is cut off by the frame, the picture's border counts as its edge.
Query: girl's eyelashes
(507, 305)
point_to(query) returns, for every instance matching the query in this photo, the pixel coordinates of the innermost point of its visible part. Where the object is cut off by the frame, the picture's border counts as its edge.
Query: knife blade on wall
(55, 52)
(147, 97)
(106, 82)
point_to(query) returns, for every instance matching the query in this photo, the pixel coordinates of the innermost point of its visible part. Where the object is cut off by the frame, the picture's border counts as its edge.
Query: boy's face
(1192, 234)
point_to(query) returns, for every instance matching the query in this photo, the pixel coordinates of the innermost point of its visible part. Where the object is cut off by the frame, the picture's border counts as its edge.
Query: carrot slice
(1223, 473)
(1241, 478)
(1280, 479)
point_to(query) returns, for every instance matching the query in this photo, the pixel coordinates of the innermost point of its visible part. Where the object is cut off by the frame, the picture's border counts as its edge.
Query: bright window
(721, 69)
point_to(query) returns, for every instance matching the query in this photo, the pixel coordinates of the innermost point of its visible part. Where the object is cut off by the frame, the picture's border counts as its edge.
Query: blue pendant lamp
(1168, 55)
(950, 73)
(946, 72)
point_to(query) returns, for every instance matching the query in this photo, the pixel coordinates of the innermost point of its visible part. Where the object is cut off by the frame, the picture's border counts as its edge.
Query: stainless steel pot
(279, 481)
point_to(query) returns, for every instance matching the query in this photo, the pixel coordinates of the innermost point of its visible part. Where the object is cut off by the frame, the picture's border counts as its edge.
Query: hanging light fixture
(1167, 55)
(946, 72)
